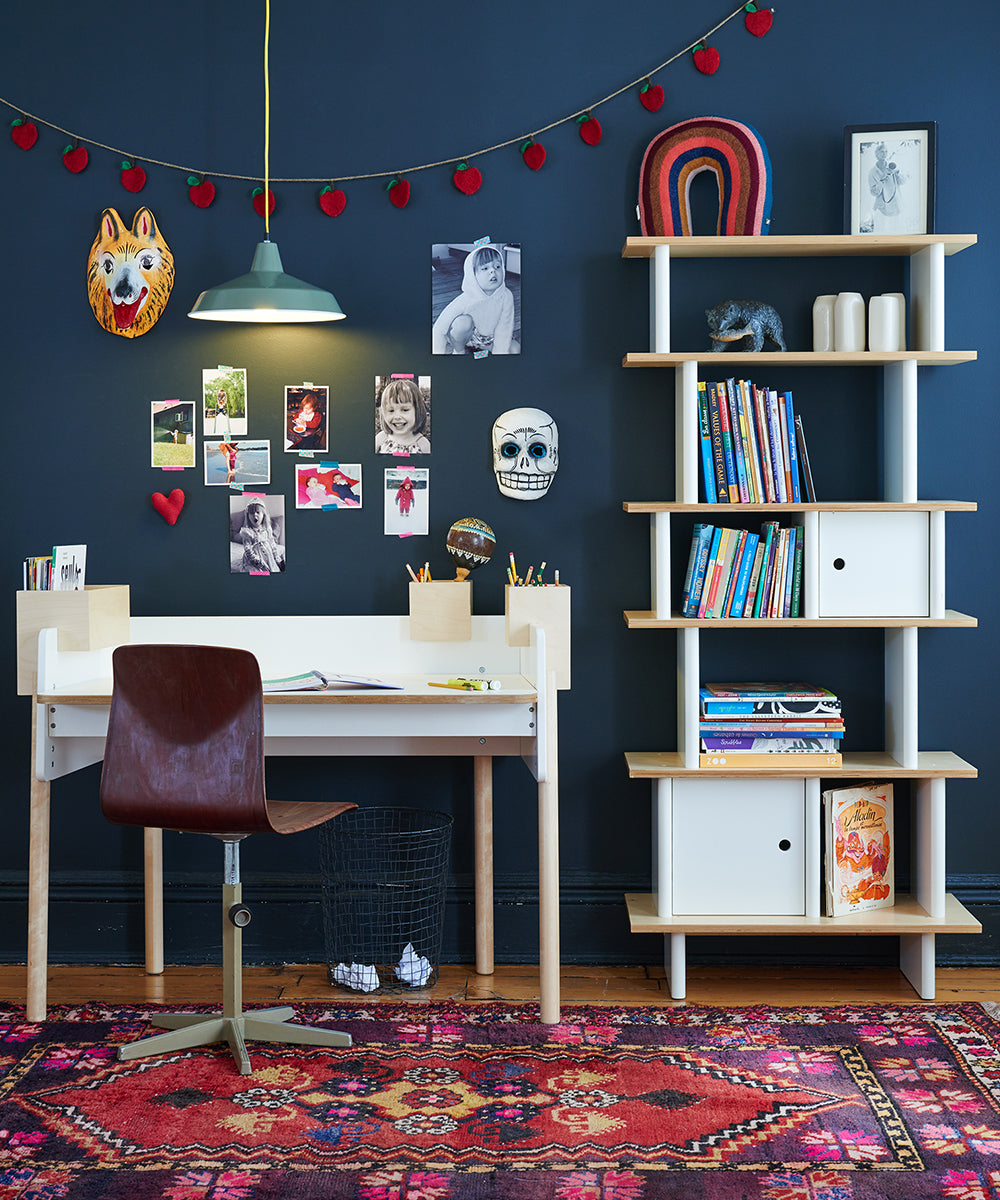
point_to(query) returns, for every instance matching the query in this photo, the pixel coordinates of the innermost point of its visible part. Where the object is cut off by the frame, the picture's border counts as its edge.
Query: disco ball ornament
(470, 543)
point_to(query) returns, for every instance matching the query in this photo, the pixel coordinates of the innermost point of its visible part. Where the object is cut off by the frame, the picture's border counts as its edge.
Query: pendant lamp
(266, 293)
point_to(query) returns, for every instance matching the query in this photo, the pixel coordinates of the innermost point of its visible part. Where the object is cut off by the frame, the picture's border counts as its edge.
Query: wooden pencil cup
(550, 608)
(88, 619)
(441, 612)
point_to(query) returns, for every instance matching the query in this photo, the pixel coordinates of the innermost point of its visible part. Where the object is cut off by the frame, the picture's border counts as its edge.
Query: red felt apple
(651, 96)
(75, 158)
(258, 201)
(332, 201)
(758, 20)
(133, 177)
(467, 179)
(169, 507)
(23, 133)
(706, 59)
(590, 129)
(533, 154)
(200, 191)
(399, 192)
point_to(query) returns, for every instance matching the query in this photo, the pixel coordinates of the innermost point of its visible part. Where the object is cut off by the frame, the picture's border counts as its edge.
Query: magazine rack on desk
(520, 719)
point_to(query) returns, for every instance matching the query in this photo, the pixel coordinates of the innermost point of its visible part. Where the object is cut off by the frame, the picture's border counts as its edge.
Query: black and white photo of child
(256, 534)
(476, 298)
(402, 414)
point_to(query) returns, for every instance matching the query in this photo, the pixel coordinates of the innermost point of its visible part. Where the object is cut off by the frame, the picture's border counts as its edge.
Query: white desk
(70, 717)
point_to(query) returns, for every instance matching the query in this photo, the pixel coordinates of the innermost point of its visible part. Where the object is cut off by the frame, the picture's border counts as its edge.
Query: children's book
(320, 681)
(859, 848)
(795, 690)
(69, 568)
(788, 759)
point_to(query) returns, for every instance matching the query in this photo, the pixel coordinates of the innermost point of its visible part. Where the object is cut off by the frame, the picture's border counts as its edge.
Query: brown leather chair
(185, 751)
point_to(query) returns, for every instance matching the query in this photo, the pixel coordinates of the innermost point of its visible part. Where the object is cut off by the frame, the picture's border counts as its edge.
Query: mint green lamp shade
(266, 294)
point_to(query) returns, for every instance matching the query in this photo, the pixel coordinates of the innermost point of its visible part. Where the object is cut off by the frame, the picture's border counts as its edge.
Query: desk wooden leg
(483, 775)
(153, 877)
(38, 885)
(548, 871)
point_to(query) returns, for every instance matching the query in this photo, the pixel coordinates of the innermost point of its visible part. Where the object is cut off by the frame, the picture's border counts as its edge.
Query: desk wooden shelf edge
(646, 619)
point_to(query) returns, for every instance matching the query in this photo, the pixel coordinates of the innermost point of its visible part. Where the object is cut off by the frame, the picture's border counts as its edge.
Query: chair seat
(293, 816)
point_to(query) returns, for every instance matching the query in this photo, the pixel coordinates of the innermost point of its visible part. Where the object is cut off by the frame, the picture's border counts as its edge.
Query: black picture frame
(890, 178)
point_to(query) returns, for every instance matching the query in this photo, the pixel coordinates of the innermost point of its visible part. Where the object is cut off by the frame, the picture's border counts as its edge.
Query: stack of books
(769, 724)
(753, 446)
(738, 573)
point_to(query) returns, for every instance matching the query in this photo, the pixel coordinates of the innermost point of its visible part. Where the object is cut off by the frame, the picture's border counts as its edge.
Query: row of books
(761, 724)
(739, 573)
(64, 570)
(753, 445)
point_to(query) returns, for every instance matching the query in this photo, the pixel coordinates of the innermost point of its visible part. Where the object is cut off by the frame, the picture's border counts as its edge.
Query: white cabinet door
(738, 846)
(874, 564)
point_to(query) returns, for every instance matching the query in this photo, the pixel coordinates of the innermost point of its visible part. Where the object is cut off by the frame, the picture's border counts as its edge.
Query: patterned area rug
(463, 1102)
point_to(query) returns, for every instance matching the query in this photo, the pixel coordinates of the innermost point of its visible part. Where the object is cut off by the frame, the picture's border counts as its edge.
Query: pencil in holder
(550, 608)
(441, 612)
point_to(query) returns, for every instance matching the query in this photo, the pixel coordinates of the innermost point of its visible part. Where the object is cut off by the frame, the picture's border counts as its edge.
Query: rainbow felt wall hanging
(732, 151)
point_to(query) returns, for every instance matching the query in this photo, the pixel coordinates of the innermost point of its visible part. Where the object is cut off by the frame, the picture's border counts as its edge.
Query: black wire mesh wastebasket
(383, 892)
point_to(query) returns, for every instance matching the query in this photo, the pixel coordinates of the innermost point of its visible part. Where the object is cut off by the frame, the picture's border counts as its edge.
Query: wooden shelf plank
(798, 245)
(879, 506)
(906, 916)
(799, 358)
(646, 619)
(859, 764)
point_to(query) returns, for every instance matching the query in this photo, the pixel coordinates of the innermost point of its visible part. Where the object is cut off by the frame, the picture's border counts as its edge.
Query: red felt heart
(652, 97)
(258, 202)
(332, 201)
(467, 179)
(201, 193)
(24, 134)
(75, 159)
(590, 131)
(707, 60)
(133, 179)
(759, 22)
(169, 507)
(534, 155)
(399, 193)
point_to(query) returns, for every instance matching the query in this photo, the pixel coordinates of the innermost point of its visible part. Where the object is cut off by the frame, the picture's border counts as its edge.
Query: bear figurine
(743, 325)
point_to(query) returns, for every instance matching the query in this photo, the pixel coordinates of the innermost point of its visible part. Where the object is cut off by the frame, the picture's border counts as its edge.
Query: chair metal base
(187, 1030)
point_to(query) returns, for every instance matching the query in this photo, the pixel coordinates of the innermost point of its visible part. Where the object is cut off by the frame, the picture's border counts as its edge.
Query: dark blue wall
(357, 90)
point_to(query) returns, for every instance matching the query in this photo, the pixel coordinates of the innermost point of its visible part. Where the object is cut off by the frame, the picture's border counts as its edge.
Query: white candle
(883, 323)
(823, 322)
(849, 322)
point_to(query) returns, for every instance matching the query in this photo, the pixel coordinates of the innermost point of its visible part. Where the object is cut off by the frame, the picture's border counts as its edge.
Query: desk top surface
(416, 689)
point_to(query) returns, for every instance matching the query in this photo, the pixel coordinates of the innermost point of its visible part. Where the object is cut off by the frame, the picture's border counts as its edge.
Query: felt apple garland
(258, 201)
(533, 154)
(467, 179)
(399, 192)
(169, 507)
(590, 129)
(75, 158)
(133, 176)
(706, 58)
(332, 201)
(23, 133)
(758, 20)
(201, 192)
(651, 96)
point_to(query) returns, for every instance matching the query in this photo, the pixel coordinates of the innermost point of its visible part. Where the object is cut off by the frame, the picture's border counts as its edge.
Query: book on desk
(321, 681)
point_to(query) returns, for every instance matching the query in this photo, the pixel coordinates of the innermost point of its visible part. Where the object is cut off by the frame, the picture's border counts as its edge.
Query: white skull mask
(525, 452)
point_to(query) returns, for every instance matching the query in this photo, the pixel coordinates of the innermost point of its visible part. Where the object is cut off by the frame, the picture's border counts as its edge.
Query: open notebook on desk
(320, 681)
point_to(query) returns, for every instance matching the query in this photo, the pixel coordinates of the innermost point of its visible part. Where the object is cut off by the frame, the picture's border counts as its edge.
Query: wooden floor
(580, 985)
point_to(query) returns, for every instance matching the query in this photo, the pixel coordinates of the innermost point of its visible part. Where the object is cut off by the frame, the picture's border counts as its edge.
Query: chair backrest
(185, 744)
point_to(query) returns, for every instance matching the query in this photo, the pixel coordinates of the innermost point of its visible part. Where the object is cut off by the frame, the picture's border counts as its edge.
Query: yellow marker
(459, 687)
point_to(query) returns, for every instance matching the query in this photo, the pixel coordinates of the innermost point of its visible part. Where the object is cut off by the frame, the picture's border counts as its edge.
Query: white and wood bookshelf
(785, 819)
